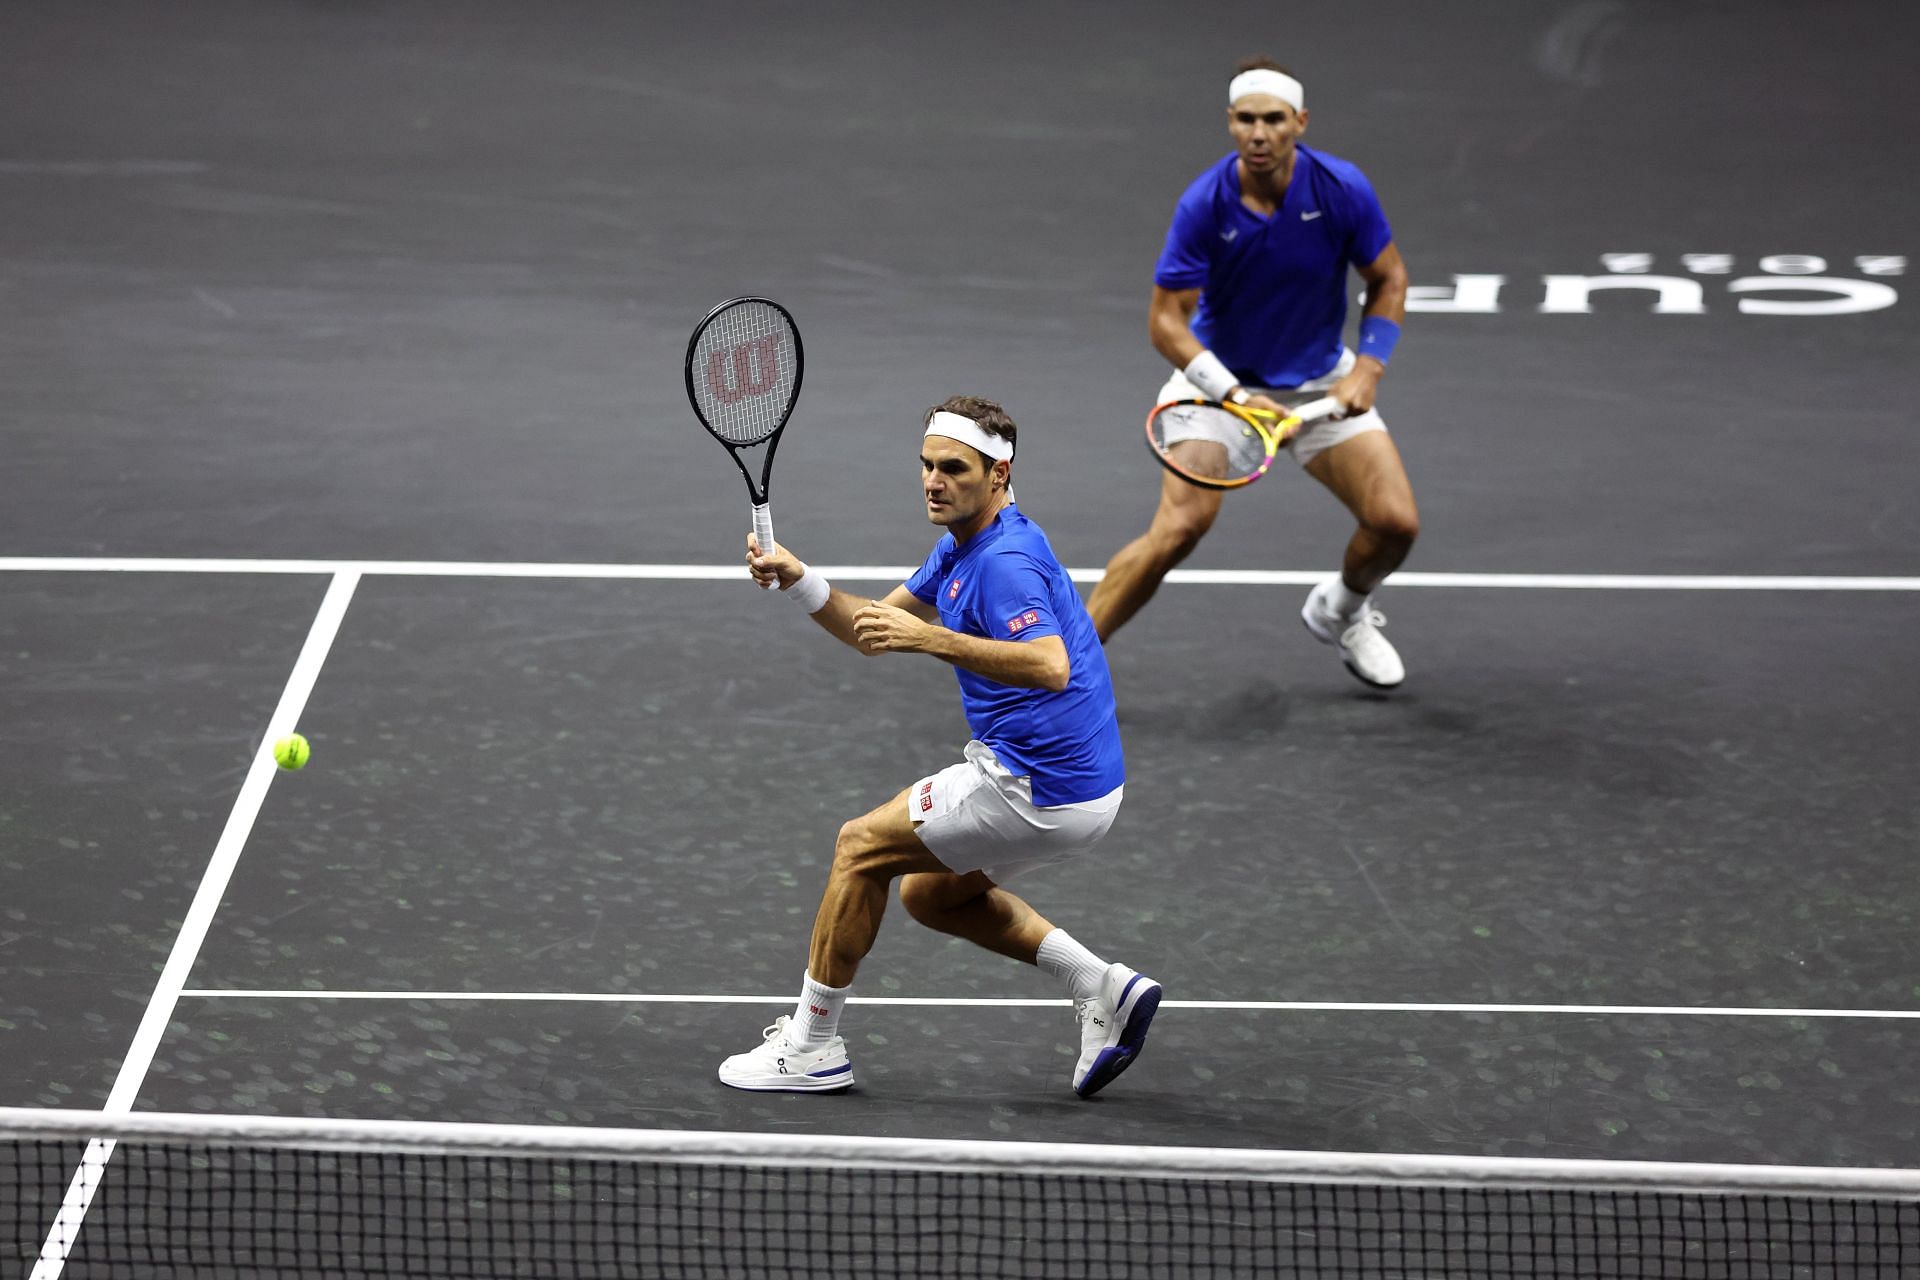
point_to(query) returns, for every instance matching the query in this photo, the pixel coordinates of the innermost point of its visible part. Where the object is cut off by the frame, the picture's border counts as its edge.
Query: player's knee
(1395, 524)
(856, 850)
(1175, 534)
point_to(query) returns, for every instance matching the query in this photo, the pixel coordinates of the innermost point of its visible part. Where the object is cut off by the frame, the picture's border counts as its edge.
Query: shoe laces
(1369, 617)
(1088, 1011)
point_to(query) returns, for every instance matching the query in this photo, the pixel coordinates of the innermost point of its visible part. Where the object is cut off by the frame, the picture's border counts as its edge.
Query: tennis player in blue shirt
(1249, 304)
(1040, 781)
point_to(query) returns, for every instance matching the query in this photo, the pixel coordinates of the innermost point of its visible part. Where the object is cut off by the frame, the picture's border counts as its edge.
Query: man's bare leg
(1185, 514)
(1370, 480)
(974, 908)
(1366, 474)
(869, 854)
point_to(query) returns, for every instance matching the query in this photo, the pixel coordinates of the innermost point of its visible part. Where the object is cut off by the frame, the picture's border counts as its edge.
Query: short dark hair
(1261, 62)
(987, 415)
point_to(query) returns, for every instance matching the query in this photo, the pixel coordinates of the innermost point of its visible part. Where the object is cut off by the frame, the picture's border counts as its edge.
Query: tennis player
(1249, 304)
(1041, 780)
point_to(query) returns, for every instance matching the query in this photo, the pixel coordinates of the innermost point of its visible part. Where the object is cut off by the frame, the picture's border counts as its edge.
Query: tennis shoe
(1368, 654)
(781, 1066)
(1113, 1027)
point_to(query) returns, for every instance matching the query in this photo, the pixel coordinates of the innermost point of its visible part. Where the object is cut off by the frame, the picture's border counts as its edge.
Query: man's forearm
(1174, 339)
(1386, 299)
(836, 617)
(1380, 316)
(1023, 665)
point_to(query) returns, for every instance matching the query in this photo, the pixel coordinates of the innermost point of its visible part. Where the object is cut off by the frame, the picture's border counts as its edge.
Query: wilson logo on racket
(1016, 625)
(754, 368)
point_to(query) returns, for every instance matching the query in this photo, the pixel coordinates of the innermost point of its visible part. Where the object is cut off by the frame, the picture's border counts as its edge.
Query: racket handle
(1315, 410)
(763, 527)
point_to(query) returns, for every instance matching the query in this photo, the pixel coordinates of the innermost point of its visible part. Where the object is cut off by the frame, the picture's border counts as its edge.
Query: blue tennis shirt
(1006, 584)
(1274, 290)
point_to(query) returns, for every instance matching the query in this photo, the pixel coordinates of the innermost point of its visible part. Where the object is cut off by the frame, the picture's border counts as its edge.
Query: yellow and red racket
(1225, 446)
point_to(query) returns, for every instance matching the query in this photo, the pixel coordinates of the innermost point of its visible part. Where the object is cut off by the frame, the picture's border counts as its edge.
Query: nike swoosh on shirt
(1228, 236)
(1310, 216)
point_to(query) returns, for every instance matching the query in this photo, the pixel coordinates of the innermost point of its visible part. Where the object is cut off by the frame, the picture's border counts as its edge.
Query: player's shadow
(1258, 710)
(1255, 711)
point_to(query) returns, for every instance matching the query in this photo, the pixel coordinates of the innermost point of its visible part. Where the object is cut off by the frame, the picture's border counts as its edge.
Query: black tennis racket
(743, 376)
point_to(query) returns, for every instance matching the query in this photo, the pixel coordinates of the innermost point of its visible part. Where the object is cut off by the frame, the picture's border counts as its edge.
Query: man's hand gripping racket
(1226, 446)
(772, 570)
(744, 363)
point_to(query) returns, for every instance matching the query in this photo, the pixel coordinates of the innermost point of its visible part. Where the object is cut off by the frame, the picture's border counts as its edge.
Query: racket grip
(1315, 410)
(763, 527)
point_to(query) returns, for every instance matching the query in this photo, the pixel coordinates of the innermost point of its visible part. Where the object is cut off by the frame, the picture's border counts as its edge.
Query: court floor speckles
(1624, 871)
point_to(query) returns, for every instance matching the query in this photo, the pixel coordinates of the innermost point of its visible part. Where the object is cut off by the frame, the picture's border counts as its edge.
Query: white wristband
(811, 592)
(1214, 379)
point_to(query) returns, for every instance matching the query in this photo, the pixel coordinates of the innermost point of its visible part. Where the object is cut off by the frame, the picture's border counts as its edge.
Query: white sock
(1066, 959)
(816, 1019)
(1344, 600)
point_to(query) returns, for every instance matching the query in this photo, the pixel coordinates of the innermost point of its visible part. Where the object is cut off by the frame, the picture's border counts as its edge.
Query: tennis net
(94, 1195)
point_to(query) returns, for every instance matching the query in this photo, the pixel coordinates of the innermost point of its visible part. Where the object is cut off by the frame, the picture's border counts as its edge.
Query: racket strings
(744, 372)
(1208, 442)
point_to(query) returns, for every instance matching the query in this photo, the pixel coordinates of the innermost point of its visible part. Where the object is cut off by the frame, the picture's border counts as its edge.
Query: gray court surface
(1624, 871)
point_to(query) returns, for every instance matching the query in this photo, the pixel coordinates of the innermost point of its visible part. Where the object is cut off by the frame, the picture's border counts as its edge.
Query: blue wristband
(1377, 337)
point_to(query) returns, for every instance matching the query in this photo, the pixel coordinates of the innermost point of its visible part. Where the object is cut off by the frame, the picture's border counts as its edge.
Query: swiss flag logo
(1016, 625)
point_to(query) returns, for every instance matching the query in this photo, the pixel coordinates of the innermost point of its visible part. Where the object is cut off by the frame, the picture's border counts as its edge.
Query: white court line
(963, 1002)
(899, 573)
(193, 930)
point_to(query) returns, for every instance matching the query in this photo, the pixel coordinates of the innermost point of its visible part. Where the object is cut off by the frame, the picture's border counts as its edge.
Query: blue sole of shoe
(1133, 1034)
(836, 1087)
(831, 1080)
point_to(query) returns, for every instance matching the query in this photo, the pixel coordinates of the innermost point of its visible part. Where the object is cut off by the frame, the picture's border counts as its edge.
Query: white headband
(1277, 84)
(967, 431)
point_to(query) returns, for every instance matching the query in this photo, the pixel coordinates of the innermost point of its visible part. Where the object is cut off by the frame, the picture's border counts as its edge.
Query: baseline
(966, 1002)
(899, 573)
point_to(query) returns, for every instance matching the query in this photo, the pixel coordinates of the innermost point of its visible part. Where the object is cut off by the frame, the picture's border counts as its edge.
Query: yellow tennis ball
(291, 752)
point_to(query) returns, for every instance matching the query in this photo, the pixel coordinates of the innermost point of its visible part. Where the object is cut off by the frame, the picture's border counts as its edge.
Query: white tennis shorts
(1314, 438)
(978, 816)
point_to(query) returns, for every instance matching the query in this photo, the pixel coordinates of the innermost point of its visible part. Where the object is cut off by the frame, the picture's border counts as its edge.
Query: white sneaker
(1367, 653)
(1113, 1027)
(779, 1066)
